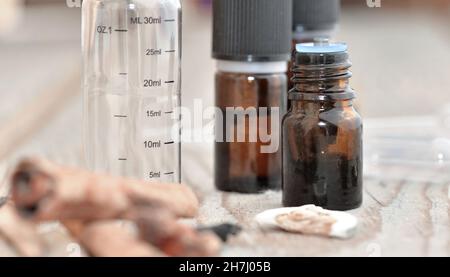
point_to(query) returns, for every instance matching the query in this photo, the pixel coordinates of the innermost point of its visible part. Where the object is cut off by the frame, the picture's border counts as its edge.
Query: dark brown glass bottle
(243, 166)
(322, 132)
(251, 43)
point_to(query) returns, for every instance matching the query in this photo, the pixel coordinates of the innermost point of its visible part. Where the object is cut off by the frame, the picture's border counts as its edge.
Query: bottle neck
(323, 80)
(324, 85)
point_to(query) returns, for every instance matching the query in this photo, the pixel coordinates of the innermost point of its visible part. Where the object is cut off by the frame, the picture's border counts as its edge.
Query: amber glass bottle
(322, 132)
(251, 44)
(243, 166)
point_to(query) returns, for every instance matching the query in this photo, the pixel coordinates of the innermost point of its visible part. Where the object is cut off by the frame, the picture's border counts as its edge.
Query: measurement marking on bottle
(121, 30)
(123, 74)
(145, 20)
(102, 29)
(169, 173)
(171, 112)
(170, 142)
(170, 20)
(169, 82)
(154, 113)
(154, 175)
(123, 159)
(152, 83)
(120, 116)
(170, 51)
(152, 144)
(153, 52)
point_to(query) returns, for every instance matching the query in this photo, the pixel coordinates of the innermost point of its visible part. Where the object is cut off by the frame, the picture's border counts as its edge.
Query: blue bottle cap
(322, 46)
(320, 52)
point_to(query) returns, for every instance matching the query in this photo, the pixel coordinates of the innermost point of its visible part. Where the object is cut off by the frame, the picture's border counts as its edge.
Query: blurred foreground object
(10, 13)
(19, 233)
(121, 241)
(88, 205)
(46, 191)
(160, 228)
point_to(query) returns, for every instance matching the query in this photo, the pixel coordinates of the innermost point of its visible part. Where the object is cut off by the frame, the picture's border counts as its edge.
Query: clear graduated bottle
(132, 55)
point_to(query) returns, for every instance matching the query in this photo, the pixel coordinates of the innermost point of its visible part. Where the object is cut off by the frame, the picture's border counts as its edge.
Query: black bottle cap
(313, 15)
(252, 30)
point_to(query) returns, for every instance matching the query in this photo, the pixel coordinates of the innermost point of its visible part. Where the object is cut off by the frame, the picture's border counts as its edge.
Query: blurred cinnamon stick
(21, 234)
(45, 191)
(109, 239)
(160, 228)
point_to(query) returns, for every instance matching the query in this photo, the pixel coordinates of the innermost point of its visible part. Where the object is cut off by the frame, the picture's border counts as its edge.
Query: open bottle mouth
(321, 54)
(319, 68)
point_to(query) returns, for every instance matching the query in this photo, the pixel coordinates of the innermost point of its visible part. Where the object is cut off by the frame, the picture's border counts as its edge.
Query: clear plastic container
(408, 148)
(132, 54)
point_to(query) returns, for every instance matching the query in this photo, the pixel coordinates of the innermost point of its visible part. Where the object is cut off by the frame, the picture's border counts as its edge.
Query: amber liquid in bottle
(323, 160)
(242, 166)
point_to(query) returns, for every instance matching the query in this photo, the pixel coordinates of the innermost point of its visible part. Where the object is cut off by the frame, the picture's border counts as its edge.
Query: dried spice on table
(89, 204)
(45, 191)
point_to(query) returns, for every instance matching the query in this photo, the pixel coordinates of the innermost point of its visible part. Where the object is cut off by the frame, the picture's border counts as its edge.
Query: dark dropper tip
(223, 231)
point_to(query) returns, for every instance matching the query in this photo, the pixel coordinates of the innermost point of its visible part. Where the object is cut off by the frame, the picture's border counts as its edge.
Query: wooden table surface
(395, 73)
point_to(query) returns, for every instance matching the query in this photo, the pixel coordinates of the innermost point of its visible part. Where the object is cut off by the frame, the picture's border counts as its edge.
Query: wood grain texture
(397, 219)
